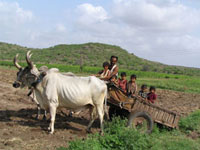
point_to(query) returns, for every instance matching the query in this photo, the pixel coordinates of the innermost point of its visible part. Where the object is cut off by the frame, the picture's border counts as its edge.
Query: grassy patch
(191, 122)
(119, 137)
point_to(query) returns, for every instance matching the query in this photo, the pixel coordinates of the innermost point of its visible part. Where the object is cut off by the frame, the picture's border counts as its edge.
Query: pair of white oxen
(53, 89)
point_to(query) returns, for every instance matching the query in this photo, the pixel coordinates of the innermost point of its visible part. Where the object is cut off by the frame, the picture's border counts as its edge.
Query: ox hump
(53, 70)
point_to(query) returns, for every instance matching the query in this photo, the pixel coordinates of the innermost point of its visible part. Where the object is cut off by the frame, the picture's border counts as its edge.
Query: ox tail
(105, 104)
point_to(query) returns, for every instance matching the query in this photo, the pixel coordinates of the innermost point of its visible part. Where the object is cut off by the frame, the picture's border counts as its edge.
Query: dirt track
(20, 130)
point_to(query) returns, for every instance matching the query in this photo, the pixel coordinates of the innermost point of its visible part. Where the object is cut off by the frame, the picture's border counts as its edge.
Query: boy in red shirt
(151, 96)
(122, 83)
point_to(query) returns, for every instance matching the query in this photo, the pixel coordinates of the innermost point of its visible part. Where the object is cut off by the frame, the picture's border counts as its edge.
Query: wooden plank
(169, 125)
(165, 117)
(156, 114)
(146, 108)
(176, 121)
(171, 119)
(150, 111)
(160, 115)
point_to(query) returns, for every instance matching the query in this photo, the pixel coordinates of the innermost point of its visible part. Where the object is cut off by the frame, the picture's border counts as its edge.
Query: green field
(174, 82)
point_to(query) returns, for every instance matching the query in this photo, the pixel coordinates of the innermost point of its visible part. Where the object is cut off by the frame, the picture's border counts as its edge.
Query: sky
(166, 31)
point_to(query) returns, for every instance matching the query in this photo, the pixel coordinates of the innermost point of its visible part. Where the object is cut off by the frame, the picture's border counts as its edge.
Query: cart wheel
(141, 121)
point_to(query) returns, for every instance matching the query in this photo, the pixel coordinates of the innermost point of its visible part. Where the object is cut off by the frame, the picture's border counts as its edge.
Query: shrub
(116, 137)
(191, 122)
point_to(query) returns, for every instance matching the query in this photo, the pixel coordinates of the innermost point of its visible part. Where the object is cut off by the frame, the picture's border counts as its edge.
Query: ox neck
(39, 79)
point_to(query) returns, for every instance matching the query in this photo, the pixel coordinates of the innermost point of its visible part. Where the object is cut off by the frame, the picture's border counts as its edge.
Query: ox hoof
(51, 132)
(49, 129)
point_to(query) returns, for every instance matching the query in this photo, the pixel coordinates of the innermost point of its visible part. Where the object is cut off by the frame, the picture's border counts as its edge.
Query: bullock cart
(141, 114)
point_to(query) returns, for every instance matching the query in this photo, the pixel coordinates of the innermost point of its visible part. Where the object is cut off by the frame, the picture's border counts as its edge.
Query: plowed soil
(20, 130)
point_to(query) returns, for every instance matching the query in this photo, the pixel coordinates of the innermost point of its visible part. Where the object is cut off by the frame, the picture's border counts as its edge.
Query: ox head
(25, 76)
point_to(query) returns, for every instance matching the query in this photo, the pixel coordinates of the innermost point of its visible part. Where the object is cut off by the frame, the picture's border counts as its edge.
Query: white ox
(32, 95)
(54, 90)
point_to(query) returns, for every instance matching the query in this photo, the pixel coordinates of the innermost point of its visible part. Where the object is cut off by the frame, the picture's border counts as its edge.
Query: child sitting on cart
(123, 82)
(132, 86)
(151, 96)
(114, 80)
(143, 91)
(105, 72)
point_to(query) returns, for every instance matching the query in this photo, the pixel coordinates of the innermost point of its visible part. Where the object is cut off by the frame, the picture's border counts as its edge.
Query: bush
(191, 122)
(116, 137)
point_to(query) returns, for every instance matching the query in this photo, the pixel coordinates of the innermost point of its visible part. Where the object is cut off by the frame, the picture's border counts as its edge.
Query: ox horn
(29, 62)
(15, 62)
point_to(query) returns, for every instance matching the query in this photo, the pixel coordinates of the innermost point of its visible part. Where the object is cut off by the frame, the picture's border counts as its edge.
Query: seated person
(104, 73)
(113, 68)
(151, 96)
(132, 86)
(143, 92)
(114, 80)
(123, 82)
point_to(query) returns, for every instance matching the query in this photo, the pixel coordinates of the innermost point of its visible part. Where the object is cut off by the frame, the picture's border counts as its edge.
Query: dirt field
(20, 130)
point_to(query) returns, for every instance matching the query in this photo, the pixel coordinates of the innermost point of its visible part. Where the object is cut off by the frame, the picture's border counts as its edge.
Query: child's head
(113, 78)
(133, 78)
(106, 65)
(123, 75)
(152, 89)
(144, 87)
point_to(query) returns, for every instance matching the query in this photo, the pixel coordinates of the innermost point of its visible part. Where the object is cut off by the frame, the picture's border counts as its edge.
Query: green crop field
(176, 82)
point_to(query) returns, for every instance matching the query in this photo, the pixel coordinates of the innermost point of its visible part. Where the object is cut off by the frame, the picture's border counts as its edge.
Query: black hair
(152, 88)
(133, 76)
(144, 86)
(113, 57)
(106, 64)
(123, 74)
(114, 76)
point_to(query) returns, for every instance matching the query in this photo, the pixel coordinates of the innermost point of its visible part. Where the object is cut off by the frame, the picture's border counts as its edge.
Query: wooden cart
(137, 110)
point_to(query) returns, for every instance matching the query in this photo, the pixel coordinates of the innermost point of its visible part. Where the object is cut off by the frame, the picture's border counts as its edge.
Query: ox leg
(45, 115)
(52, 110)
(92, 118)
(38, 111)
(100, 112)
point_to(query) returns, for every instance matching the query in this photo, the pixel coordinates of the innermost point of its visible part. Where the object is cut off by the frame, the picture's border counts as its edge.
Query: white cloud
(152, 29)
(160, 30)
(15, 22)
(149, 16)
(12, 14)
(89, 14)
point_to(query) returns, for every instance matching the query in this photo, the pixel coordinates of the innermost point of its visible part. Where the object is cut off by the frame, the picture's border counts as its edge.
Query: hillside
(90, 54)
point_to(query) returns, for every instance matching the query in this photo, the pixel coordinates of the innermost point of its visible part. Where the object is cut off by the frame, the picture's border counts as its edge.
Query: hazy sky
(166, 31)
